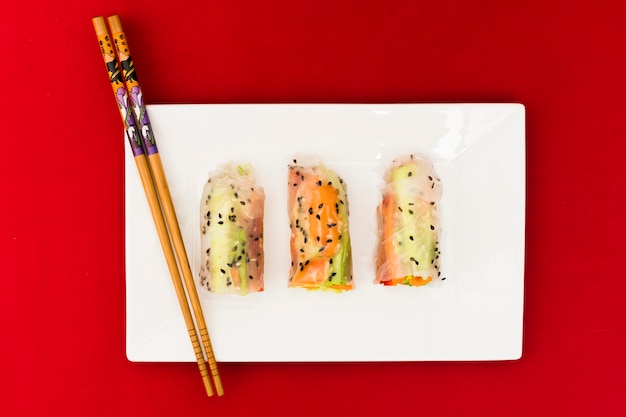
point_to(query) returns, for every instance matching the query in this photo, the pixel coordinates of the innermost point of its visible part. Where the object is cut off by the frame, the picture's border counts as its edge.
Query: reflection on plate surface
(475, 314)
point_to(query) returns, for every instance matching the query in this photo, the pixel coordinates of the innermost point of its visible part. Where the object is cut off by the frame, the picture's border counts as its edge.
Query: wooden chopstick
(132, 132)
(154, 161)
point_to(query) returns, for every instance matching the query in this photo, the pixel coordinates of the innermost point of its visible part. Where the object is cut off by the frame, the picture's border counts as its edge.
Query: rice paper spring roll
(409, 228)
(321, 254)
(231, 226)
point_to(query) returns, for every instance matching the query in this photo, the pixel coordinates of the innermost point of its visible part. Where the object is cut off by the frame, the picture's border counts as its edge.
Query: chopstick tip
(218, 386)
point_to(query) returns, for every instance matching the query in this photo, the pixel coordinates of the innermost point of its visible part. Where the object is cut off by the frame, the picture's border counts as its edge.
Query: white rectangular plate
(475, 314)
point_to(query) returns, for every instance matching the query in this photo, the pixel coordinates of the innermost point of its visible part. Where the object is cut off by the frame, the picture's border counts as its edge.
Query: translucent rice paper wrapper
(231, 232)
(321, 252)
(409, 226)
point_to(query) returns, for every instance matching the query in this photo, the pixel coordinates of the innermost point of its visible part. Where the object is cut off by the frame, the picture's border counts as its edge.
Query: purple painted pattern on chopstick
(132, 85)
(131, 130)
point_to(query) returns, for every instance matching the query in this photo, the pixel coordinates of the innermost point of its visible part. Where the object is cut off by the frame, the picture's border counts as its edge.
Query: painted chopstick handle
(131, 130)
(129, 75)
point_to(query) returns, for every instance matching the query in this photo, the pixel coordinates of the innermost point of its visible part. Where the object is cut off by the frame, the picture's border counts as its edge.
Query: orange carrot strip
(312, 274)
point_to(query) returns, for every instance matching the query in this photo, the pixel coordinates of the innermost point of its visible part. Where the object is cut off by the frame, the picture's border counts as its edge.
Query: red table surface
(62, 289)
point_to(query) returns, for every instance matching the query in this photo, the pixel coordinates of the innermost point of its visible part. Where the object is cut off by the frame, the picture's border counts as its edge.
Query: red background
(62, 246)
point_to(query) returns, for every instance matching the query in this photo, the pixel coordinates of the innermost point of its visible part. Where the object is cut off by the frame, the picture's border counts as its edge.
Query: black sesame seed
(236, 195)
(329, 241)
(432, 227)
(310, 210)
(410, 174)
(305, 240)
(319, 183)
(330, 261)
(223, 272)
(322, 249)
(219, 215)
(208, 214)
(234, 248)
(430, 178)
(318, 217)
(320, 206)
(256, 239)
(339, 238)
(295, 161)
(443, 279)
(220, 222)
(208, 251)
(330, 183)
(410, 211)
(411, 238)
(307, 262)
(400, 208)
(318, 238)
(295, 185)
(250, 276)
(302, 250)
(208, 223)
(333, 274)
